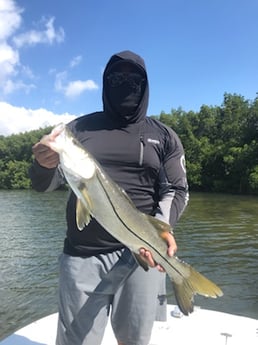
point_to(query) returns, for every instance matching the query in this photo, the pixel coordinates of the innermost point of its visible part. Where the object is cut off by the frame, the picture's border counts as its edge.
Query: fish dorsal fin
(83, 210)
(141, 261)
(159, 225)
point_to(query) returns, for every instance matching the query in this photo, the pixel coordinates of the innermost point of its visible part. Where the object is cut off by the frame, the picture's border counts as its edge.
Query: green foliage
(16, 157)
(253, 179)
(17, 174)
(221, 145)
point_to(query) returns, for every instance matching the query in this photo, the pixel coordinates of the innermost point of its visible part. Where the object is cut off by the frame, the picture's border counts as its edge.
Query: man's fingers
(171, 250)
(45, 156)
(146, 255)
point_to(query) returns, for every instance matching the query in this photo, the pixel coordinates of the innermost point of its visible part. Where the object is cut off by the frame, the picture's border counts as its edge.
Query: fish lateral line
(132, 232)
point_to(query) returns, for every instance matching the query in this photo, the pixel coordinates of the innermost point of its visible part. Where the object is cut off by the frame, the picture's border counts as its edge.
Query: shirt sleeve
(43, 179)
(173, 186)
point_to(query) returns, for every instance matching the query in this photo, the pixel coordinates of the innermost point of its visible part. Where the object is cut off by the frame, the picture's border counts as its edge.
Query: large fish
(99, 197)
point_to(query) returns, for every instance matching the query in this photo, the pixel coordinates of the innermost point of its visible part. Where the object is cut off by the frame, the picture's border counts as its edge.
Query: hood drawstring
(142, 142)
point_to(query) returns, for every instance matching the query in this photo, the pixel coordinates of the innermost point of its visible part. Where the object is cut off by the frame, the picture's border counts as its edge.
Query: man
(98, 275)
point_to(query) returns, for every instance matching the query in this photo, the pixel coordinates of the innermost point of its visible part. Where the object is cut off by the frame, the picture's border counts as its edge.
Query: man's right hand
(46, 157)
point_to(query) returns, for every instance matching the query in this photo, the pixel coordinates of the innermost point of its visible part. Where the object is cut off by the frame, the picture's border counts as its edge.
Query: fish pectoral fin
(141, 261)
(83, 216)
(83, 209)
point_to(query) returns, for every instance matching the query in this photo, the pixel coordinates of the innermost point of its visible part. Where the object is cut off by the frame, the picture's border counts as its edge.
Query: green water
(218, 235)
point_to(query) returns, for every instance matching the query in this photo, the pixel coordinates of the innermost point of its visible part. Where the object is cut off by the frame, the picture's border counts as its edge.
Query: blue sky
(53, 52)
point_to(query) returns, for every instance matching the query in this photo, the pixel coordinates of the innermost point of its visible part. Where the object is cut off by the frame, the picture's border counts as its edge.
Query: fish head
(75, 160)
(74, 157)
(55, 139)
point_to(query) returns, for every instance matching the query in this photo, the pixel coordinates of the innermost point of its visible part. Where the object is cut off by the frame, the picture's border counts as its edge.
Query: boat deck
(202, 327)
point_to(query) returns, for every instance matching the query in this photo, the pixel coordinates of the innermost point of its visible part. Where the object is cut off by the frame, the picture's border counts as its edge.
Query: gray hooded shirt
(142, 155)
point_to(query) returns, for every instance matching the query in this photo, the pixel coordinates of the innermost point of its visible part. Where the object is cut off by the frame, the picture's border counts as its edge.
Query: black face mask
(124, 89)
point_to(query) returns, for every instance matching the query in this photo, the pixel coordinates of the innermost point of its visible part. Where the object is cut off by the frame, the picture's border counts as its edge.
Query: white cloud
(75, 61)
(48, 35)
(10, 21)
(60, 80)
(9, 59)
(12, 71)
(74, 88)
(11, 86)
(14, 75)
(10, 18)
(16, 120)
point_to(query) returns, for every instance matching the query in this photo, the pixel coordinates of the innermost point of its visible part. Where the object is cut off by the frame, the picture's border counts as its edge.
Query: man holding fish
(99, 275)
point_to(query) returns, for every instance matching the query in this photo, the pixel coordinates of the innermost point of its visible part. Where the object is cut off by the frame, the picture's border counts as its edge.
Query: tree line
(221, 146)
(16, 158)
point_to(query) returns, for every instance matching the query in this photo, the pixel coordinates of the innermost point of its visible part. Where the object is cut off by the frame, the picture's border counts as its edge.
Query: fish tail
(191, 285)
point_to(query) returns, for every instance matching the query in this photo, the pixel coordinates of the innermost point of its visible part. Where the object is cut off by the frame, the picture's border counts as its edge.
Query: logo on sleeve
(153, 141)
(182, 162)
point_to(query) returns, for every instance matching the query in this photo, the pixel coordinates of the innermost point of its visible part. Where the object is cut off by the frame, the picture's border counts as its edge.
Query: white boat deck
(203, 327)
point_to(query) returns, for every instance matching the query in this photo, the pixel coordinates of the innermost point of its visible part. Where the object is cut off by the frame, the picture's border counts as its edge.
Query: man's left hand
(172, 248)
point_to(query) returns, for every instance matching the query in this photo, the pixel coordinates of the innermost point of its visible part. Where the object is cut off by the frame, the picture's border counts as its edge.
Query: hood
(140, 112)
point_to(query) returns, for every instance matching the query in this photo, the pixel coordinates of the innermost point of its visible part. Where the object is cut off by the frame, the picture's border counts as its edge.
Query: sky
(53, 54)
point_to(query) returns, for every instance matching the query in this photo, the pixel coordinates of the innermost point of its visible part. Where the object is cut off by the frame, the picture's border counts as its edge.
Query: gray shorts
(91, 289)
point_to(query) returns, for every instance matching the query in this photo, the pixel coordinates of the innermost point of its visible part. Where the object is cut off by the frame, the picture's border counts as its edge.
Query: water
(32, 229)
(218, 235)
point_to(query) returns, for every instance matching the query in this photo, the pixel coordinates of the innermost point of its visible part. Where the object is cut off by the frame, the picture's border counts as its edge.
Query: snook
(99, 197)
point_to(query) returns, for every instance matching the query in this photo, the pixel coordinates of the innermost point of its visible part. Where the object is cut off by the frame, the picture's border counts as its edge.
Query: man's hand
(46, 157)
(172, 248)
